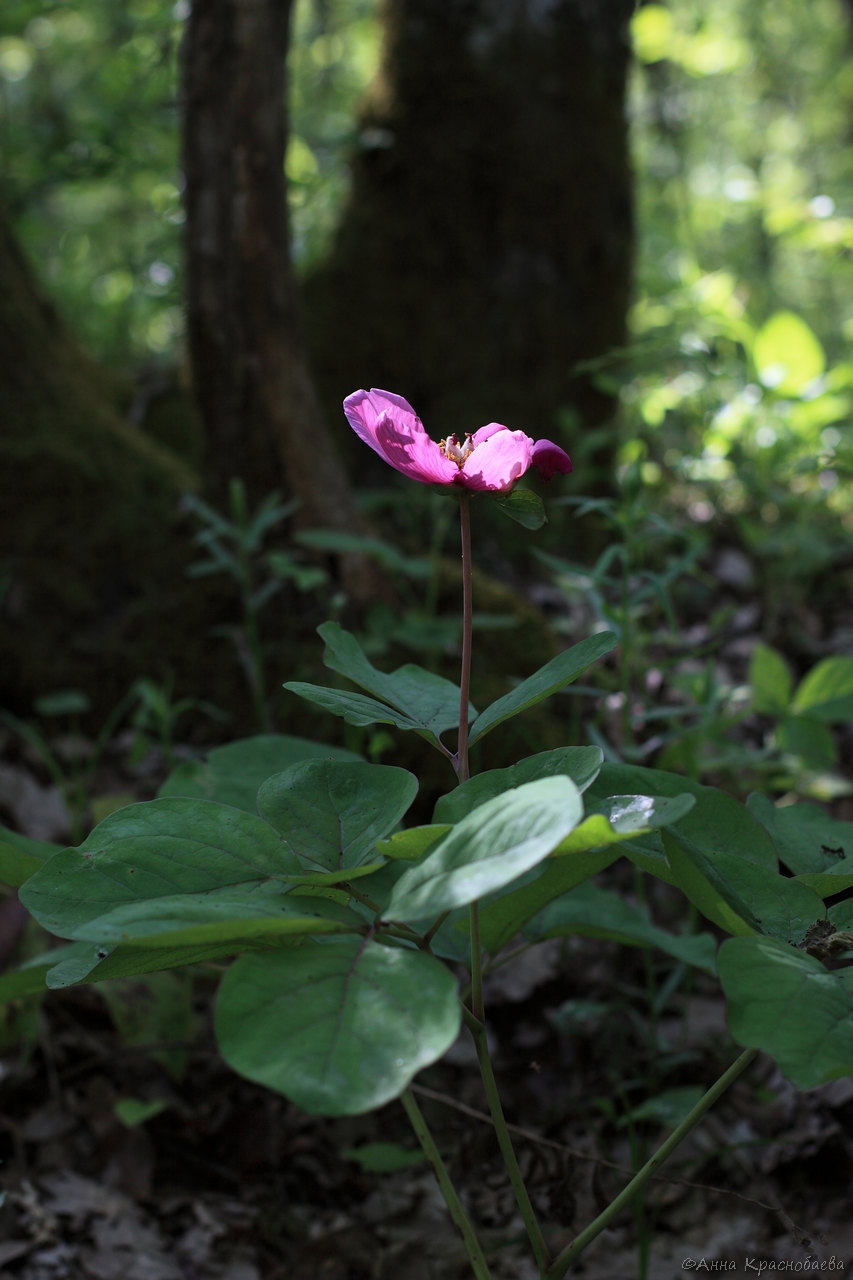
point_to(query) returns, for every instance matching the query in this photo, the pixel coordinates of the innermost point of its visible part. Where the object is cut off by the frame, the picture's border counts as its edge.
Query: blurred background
(626, 228)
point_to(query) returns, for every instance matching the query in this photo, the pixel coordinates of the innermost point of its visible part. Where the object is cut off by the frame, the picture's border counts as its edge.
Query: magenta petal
(549, 457)
(484, 433)
(389, 424)
(497, 463)
(413, 453)
(365, 409)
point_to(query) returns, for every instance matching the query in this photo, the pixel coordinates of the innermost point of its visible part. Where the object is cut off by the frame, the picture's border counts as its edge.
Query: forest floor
(231, 1182)
(226, 1181)
(130, 1157)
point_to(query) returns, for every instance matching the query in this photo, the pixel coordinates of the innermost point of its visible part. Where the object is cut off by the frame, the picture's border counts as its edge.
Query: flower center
(456, 452)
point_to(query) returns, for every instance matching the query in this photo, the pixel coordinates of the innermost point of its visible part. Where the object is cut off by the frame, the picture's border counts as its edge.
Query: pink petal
(389, 424)
(497, 463)
(365, 409)
(549, 457)
(413, 453)
(485, 432)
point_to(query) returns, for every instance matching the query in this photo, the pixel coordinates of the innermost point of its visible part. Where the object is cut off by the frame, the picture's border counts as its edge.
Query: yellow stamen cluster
(456, 452)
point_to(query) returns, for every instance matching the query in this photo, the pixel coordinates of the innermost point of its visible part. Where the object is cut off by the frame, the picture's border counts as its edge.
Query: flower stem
(462, 766)
(534, 1231)
(564, 1260)
(472, 1245)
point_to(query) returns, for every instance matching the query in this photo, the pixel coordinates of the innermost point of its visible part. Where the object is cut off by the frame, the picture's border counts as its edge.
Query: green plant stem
(478, 1007)
(462, 766)
(534, 1231)
(564, 1260)
(472, 1245)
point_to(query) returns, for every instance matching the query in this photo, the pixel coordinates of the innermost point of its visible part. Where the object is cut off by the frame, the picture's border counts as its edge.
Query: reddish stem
(462, 767)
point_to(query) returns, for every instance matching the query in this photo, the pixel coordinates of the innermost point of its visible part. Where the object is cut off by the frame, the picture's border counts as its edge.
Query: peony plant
(361, 944)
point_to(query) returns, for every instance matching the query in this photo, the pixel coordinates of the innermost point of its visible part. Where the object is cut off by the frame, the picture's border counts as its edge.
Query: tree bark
(260, 412)
(487, 245)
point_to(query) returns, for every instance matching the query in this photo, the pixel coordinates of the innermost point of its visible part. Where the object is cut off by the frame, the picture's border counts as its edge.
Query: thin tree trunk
(260, 413)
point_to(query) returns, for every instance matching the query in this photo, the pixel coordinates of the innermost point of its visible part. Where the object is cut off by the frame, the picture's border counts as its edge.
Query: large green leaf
(331, 814)
(232, 774)
(786, 1003)
(581, 764)
(818, 849)
(340, 1028)
(490, 847)
(160, 849)
(592, 912)
(21, 856)
(720, 857)
(555, 675)
(506, 914)
(261, 913)
(588, 849)
(826, 692)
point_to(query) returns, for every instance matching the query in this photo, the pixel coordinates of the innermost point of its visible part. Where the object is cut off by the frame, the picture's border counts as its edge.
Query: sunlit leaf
(787, 354)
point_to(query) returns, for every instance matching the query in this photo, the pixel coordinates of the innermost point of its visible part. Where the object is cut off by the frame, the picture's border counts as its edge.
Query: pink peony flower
(493, 458)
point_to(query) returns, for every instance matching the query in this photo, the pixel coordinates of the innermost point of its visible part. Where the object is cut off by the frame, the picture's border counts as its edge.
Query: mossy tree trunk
(487, 245)
(261, 417)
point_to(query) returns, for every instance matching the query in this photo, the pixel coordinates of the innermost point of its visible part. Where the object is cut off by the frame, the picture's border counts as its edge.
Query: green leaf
(583, 853)
(592, 912)
(719, 882)
(355, 708)
(135, 1111)
(771, 681)
(787, 354)
(384, 1157)
(255, 914)
(411, 844)
(826, 692)
(818, 849)
(90, 962)
(623, 818)
(810, 742)
(97, 962)
(720, 857)
(581, 764)
(505, 915)
(557, 673)
(21, 856)
(340, 1028)
(232, 774)
(429, 700)
(490, 847)
(331, 814)
(524, 506)
(786, 1003)
(159, 849)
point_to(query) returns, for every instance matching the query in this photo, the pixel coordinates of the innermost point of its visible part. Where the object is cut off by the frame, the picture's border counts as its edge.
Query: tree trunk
(487, 245)
(260, 413)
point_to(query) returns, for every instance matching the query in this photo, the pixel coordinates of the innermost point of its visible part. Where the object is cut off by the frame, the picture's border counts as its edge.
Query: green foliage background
(737, 387)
